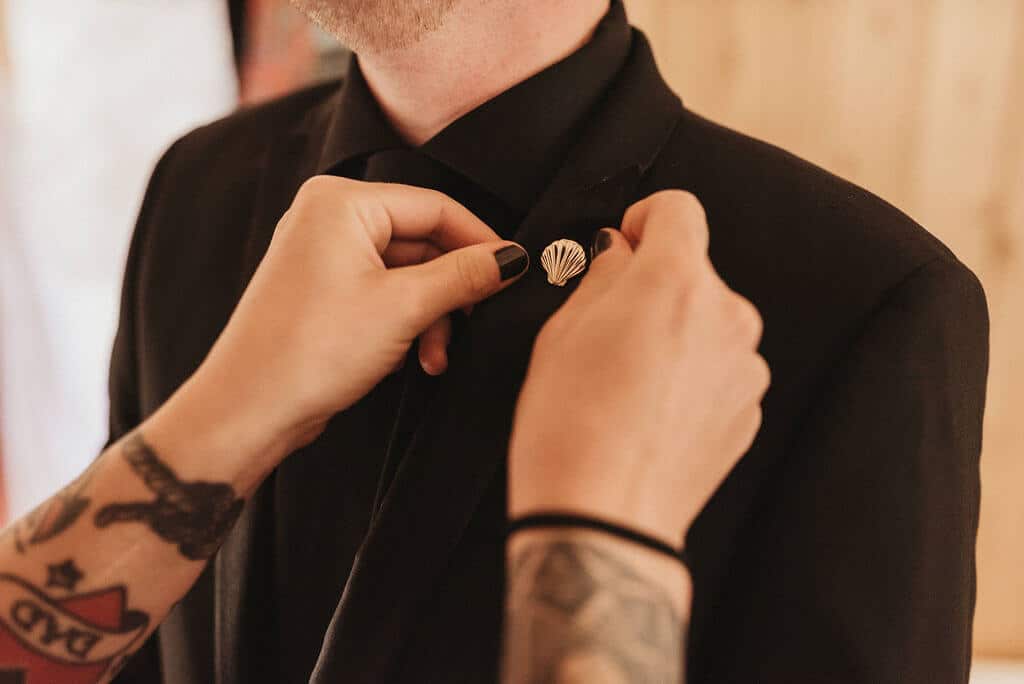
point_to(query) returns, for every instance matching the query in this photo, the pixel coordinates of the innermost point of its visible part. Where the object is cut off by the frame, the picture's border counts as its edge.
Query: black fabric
(510, 146)
(415, 167)
(840, 549)
(407, 399)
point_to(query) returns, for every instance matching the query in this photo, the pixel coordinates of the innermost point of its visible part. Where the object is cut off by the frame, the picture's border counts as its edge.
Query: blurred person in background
(276, 50)
(97, 91)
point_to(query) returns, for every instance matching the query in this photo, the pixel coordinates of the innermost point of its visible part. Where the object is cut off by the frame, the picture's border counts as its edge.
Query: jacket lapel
(464, 438)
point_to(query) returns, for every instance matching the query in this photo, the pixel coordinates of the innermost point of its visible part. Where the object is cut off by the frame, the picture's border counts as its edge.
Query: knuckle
(680, 200)
(682, 204)
(745, 319)
(311, 195)
(402, 288)
(679, 209)
(693, 219)
(414, 301)
(692, 206)
(318, 188)
(472, 275)
(762, 374)
(756, 419)
(686, 214)
(316, 185)
(637, 209)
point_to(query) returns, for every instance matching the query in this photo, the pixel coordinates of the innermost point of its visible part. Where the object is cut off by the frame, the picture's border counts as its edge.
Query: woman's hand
(642, 393)
(322, 321)
(645, 388)
(337, 301)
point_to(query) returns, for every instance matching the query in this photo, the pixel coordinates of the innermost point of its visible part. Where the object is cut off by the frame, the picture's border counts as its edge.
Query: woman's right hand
(644, 389)
(354, 274)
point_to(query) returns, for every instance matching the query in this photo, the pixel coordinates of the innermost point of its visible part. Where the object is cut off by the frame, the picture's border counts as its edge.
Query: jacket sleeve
(864, 551)
(123, 388)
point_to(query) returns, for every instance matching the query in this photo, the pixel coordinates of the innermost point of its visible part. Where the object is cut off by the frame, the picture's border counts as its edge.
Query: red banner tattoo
(73, 640)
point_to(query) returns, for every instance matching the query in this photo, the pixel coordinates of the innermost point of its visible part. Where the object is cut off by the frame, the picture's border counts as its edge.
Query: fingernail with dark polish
(512, 261)
(602, 241)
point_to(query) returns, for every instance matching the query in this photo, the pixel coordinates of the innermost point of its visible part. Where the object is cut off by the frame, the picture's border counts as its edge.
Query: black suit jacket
(841, 549)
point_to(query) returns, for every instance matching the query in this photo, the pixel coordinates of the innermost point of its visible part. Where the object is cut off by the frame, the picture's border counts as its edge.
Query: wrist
(216, 436)
(581, 486)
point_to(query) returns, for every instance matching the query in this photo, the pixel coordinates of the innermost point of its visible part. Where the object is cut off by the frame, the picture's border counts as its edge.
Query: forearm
(132, 534)
(583, 606)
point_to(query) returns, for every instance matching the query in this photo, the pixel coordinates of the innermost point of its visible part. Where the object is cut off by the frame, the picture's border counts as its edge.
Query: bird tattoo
(195, 516)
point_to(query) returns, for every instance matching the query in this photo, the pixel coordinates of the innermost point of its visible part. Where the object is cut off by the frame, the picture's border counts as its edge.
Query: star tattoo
(63, 575)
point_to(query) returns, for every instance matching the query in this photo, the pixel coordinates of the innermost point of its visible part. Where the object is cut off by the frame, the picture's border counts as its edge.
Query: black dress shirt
(841, 548)
(499, 158)
(496, 170)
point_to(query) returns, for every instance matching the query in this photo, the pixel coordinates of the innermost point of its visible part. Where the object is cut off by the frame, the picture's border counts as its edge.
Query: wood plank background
(922, 102)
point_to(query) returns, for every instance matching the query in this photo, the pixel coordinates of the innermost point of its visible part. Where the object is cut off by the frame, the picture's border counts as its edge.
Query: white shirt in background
(98, 89)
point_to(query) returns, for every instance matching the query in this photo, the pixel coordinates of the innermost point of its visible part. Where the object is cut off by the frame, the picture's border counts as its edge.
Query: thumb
(463, 277)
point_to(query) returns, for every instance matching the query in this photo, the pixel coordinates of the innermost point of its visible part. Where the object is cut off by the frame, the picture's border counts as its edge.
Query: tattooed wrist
(581, 609)
(196, 516)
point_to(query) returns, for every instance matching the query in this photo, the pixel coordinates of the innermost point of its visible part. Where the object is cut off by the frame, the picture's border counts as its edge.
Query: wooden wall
(922, 102)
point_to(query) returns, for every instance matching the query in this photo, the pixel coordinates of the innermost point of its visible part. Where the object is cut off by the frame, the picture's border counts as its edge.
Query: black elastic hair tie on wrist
(542, 520)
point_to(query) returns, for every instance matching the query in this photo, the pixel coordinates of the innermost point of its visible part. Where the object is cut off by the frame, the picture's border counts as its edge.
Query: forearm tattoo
(50, 631)
(55, 634)
(577, 613)
(52, 517)
(196, 516)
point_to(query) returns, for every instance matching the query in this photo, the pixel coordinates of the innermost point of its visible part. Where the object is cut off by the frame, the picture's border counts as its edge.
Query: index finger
(669, 224)
(422, 214)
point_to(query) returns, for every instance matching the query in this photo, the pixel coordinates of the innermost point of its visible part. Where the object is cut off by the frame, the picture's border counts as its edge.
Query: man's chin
(377, 26)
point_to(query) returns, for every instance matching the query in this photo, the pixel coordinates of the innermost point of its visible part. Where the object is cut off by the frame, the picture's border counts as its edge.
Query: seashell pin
(562, 260)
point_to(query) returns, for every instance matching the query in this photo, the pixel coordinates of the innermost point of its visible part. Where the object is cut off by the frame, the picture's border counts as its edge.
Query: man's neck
(483, 49)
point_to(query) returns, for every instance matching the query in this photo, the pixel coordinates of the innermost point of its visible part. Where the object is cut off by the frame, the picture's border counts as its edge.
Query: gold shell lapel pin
(562, 260)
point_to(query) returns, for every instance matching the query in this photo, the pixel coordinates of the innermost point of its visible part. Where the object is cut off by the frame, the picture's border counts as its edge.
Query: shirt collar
(511, 145)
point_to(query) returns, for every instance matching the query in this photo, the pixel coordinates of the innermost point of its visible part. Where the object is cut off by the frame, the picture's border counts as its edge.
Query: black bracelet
(546, 519)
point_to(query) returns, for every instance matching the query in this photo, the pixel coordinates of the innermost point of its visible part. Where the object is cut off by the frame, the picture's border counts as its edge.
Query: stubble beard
(378, 26)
